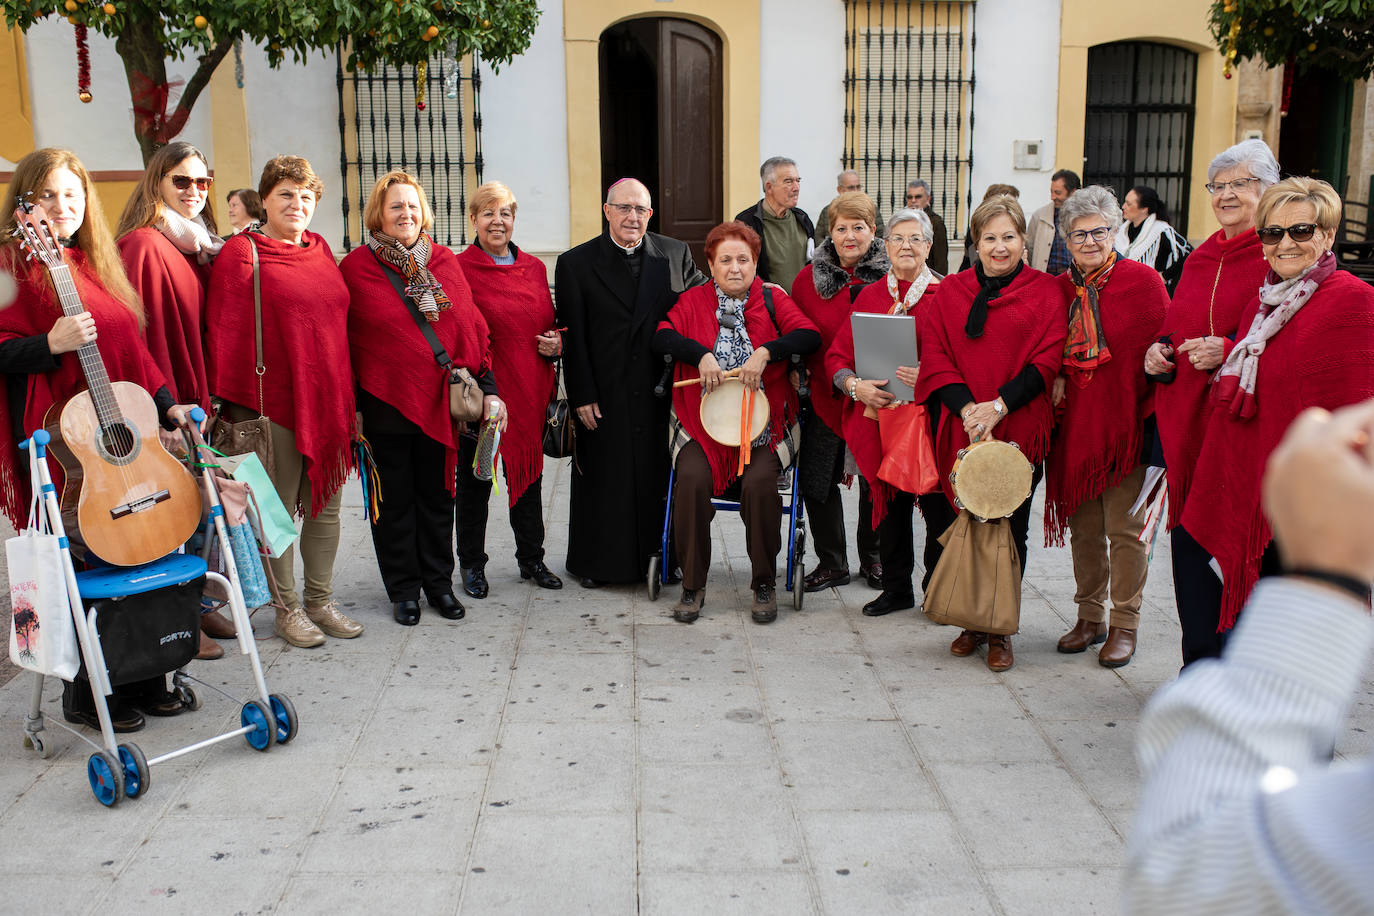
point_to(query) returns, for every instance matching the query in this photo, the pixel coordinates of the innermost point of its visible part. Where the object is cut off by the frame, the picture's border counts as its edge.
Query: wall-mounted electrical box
(1026, 153)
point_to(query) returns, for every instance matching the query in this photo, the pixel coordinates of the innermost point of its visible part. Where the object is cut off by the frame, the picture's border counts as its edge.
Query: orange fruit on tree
(109, 9)
(200, 22)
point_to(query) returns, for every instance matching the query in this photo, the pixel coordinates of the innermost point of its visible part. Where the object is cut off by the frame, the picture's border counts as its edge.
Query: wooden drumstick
(733, 373)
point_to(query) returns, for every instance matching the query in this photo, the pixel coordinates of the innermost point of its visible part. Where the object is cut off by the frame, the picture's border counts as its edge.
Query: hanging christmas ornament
(421, 71)
(83, 65)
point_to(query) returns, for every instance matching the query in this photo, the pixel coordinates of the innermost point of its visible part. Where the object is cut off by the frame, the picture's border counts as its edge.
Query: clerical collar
(628, 251)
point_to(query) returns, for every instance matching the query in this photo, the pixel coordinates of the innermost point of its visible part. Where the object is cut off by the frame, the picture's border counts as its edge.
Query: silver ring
(981, 427)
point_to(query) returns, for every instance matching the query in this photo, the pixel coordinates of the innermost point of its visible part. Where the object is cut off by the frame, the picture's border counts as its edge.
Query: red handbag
(908, 452)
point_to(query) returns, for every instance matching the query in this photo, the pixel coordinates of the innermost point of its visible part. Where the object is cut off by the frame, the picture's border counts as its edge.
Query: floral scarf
(903, 305)
(732, 343)
(1086, 348)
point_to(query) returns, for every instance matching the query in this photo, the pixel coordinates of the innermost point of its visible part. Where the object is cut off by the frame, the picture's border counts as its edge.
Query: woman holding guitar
(168, 239)
(38, 359)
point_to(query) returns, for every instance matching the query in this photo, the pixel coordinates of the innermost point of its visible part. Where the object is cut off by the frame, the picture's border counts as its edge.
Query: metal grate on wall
(908, 83)
(382, 127)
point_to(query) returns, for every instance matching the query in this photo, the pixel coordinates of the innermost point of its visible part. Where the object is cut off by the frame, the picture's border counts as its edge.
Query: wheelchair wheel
(655, 580)
(798, 555)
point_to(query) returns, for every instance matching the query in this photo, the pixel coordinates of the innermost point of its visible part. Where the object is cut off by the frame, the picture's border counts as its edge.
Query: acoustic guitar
(125, 498)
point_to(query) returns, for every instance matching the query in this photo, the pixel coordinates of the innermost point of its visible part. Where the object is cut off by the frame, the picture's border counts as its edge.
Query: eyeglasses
(627, 209)
(901, 241)
(182, 182)
(1298, 232)
(1082, 235)
(1216, 187)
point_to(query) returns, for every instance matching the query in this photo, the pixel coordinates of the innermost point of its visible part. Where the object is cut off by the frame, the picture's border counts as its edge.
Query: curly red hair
(733, 230)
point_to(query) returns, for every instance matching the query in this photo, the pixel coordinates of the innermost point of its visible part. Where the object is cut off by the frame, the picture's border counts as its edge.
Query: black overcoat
(620, 477)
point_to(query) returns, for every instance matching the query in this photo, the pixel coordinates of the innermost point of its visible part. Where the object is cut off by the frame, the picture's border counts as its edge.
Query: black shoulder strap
(772, 311)
(440, 354)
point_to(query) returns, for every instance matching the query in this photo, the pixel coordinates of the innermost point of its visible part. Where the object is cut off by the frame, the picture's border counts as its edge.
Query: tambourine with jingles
(722, 413)
(991, 478)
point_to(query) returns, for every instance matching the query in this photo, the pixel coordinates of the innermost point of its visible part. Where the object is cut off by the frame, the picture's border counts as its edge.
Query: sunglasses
(1298, 232)
(182, 182)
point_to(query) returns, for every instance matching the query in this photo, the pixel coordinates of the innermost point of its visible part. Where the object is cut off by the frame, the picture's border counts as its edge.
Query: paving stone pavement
(578, 751)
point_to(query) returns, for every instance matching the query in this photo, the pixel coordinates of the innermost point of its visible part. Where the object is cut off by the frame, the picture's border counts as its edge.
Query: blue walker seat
(122, 581)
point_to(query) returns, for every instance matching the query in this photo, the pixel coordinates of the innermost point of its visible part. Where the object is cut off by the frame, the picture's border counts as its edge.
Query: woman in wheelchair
(732, 326)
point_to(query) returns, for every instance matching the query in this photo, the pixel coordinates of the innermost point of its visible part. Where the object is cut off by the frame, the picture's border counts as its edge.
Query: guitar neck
(97, 379)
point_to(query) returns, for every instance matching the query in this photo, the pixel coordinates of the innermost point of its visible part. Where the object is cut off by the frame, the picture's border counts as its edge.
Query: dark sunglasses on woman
(182, 182)
(1298, 232)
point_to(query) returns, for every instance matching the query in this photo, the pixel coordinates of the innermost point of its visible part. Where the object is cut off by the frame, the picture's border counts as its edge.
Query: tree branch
(201, 78)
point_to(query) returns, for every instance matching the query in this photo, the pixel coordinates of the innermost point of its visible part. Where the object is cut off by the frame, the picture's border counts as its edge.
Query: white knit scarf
(190, 236)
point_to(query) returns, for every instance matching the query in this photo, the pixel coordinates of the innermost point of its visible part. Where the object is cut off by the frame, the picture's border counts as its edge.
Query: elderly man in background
(612, 292)
(848, 180)
(785, 228)
(918, 198)
(1044, 243)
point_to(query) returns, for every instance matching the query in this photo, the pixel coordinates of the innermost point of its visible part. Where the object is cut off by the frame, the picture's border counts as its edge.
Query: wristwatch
(998, 406)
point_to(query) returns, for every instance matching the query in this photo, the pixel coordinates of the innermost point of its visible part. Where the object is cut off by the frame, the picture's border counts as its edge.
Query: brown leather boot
(217, 625)
(999, 653)
(1119, 648)
(209, 649)
(1084, 633)
(967, 643)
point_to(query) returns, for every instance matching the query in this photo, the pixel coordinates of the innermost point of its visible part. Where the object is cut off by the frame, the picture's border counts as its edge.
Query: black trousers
(1197, 594)
(827, 530)
(896, 544)
(474, 497)
(940, 513)
(412, 536)
(760, 508)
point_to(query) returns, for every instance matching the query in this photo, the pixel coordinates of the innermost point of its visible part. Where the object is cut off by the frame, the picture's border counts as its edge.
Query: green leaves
(1336, 35)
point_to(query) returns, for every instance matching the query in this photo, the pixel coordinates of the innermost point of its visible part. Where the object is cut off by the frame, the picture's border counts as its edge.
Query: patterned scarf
(903, 305)
(421, 286)
(1279, 302)
(732, 343)
(1086, 348)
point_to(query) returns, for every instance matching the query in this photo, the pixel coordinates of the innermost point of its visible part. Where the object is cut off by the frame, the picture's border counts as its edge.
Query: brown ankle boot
(999, 653)
(1084, 633)
(1119, 648)
(967, 643)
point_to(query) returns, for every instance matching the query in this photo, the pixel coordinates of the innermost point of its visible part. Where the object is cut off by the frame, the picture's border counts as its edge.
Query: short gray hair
(911, 214)
(1094, 200)
(1255, 155)
(771, 165)
(918, 183)
(840, 177)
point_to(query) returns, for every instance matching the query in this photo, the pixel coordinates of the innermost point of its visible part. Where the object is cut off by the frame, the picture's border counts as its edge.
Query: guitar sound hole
(118, 441)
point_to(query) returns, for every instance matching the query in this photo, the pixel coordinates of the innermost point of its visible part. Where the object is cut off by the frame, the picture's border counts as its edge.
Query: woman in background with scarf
(1306, 341)
(403, 393)
(1097, 461)
(1146, 236)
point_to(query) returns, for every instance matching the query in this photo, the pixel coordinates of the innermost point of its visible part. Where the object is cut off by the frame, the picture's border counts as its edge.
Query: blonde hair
(376, 201)
(491, 194)
(1300, 190)
(145, 206)
(93, 237)
(993, 207)
(295, 169)
(854, 205)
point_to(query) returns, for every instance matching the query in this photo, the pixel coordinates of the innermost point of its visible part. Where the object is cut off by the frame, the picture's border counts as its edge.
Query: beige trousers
(319, 540)
(1108, 556)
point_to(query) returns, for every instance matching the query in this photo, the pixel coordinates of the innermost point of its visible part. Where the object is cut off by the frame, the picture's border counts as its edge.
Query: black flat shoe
(589, 582)
(123, 720)
(475, 582)
(448, 606)
(888, 602)
(407, 613)
(541, 575)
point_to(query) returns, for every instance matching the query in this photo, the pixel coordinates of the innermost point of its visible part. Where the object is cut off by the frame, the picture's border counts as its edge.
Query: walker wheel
(285, 714)
(34, 741)
(106, 778)
(189, 698)
(135, 765)
(264, 725)
(798, 568)
(655, 580)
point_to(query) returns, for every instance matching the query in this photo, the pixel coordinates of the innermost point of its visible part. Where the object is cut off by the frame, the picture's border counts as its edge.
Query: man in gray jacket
(1044, 245)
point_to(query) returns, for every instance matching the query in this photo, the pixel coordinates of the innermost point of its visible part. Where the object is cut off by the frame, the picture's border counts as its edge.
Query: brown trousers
(1108, 555)
(760, 506)
(319, 540)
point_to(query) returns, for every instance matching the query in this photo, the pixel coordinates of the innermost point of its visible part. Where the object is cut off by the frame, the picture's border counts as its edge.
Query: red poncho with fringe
(828, 316)
(694, 316)
(1026, 326)
(1100, 426)
(391, 358)
(308, 385)
(1219, 278)
(172, 287)
(861, 432)
(34, 311)
(515, 300)
(1323, 357)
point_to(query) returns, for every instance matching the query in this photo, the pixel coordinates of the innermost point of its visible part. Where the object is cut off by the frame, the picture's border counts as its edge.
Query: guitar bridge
(140, 505)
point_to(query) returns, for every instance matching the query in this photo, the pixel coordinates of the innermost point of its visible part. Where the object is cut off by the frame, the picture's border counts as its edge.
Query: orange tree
(148, 33)
(1336, 35)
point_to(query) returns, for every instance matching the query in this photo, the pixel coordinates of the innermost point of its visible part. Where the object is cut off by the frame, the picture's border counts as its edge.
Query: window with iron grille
(909, 102)
(382, 127)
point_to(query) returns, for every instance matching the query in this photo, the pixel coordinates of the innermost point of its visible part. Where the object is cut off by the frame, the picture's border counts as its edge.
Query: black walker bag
(150, 634)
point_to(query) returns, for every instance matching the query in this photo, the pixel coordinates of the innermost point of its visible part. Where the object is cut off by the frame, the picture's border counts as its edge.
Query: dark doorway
(1314, 139)
(661, 121)
(1138, 128)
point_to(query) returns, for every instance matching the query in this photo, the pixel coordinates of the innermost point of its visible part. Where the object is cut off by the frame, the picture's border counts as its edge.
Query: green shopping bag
(276, 528)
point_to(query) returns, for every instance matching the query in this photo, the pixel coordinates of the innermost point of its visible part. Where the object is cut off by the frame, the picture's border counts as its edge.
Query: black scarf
(989, 288)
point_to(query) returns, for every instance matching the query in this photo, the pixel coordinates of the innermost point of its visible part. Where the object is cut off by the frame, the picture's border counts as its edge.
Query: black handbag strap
(440, 354)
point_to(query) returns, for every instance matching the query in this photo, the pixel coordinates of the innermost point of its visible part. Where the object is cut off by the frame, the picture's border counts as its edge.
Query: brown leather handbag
(977, 583)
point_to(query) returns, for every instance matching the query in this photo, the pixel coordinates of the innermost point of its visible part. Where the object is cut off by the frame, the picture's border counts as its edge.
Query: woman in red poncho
(41, 370)
(1307, 340)
(909, 284)
(1219, 278)
(306, 388)
(825, 290)
(168, 239)
(403, 391)
(1096, 467)
(991, 344)
(511, 289)
(722, 326)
